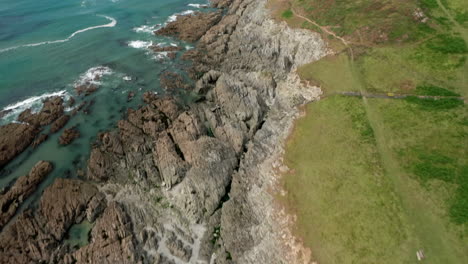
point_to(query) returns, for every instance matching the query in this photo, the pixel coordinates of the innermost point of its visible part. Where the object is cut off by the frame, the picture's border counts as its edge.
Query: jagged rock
(212, 164)
(34, 237)
(21, 190)
(59, 123)
(177, 248)
(168, 106)
(112, 240)
(100, 165)
(220, 3)
(39, 139)
(170, 160)
(14, 139)
(173, 81)
(53, 108)
(68, 136)
(64, 203)
(192, 27)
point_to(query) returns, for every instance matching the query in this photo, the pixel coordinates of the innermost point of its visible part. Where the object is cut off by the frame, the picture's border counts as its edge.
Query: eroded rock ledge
(187, 183)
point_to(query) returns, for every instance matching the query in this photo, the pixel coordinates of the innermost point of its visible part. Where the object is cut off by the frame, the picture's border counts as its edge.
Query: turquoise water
(78, 235)
(47, 46)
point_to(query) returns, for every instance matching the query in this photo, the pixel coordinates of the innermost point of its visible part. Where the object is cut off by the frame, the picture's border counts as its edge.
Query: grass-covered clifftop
(377, 179)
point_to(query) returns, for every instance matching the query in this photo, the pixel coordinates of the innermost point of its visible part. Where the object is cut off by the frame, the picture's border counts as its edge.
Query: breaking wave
(111, 24)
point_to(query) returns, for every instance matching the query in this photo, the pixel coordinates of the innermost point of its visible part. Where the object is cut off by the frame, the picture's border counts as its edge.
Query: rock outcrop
(59, 123)
(188, 183)
(68, 136)
(36, 236)
(192, 27)
(14, 139)
(21, 190)
(53, 108)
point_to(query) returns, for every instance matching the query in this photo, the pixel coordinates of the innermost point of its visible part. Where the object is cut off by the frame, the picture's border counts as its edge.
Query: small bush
(459, 208)
(287, 14)
(435, 104)
(448, 44)
(429, 3)
(433, 90)
(461, 17)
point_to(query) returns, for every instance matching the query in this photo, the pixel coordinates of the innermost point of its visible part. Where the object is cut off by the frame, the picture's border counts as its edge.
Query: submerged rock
(68, 136)
(59, 123)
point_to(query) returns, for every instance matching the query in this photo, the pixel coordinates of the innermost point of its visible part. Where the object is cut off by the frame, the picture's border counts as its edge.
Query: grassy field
(375, 180)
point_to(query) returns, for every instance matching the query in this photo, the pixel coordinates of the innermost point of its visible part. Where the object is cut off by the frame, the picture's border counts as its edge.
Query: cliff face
(253, 229)
(195, 184)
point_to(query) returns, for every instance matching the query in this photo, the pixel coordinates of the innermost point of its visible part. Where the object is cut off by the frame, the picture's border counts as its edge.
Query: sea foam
(113, 23)
(93, 75)
(139, 44)
(198, 5)
(34, 103)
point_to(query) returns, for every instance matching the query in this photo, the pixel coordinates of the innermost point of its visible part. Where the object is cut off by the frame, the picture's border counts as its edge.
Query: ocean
(49, 46)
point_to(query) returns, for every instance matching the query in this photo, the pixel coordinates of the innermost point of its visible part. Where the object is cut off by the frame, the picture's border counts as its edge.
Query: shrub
(448, 44)
(433, 90)
(287, 14)
(435, 104)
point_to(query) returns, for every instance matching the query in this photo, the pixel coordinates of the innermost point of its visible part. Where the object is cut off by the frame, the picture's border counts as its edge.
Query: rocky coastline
(182, 183)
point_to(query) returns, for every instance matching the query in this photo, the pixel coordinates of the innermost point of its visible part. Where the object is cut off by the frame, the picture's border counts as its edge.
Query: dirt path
(326, 30)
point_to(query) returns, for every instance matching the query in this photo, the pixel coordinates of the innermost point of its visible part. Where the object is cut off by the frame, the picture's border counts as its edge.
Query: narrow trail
(326, 30)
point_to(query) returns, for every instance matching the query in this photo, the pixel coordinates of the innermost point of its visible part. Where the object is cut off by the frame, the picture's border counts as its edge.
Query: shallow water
(78, 235)
(74, 37)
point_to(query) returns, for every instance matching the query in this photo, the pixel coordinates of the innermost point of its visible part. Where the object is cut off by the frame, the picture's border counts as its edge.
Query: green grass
(287, 14)
(433, 149)
(347, 208)
(375, 180)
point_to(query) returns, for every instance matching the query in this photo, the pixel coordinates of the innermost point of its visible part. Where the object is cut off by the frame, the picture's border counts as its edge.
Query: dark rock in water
(87, 88)
(171, 55)
(130, 96)
(4, 113)
(59, 123)
(39, 139)
(157, 48)
(21, 190)
(14, 139)
(87, 110)
(191, 27)
(68, 136)
(71, 102)
(78, 108)
(52, 109)
(173, 81)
